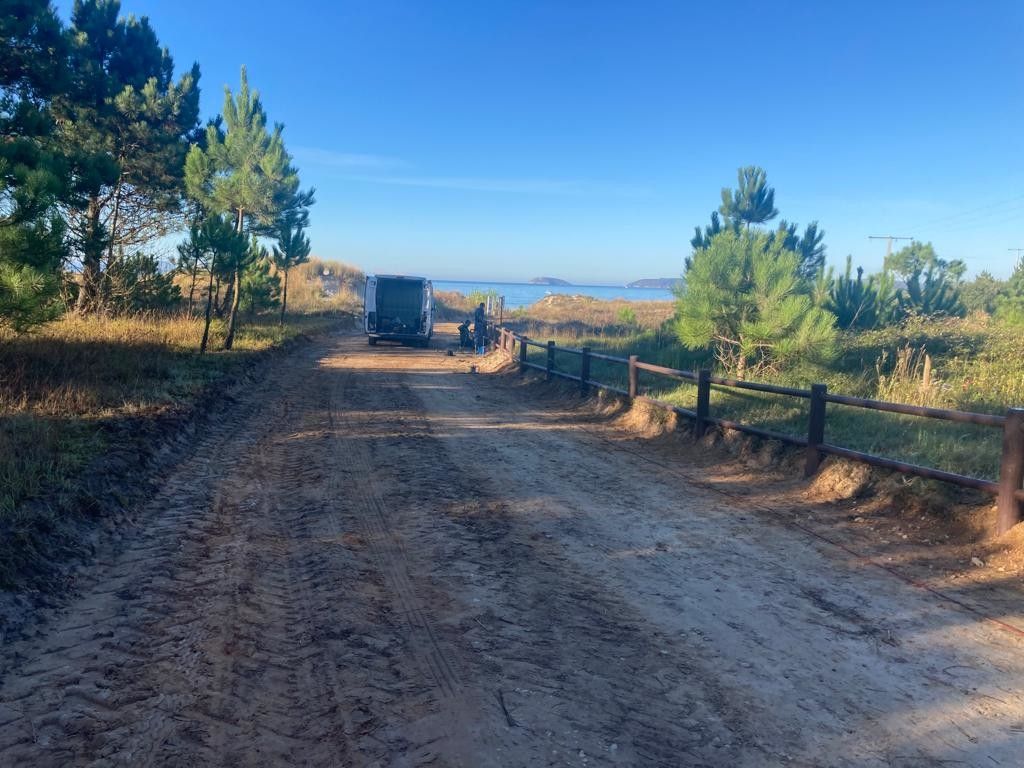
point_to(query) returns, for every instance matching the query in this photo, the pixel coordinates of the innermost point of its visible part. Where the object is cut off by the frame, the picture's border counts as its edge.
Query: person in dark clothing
(480, 328)
(465, 339)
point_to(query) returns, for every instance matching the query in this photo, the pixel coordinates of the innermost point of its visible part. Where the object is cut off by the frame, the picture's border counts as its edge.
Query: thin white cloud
(380, 169)
(568, 187)
(346, 160)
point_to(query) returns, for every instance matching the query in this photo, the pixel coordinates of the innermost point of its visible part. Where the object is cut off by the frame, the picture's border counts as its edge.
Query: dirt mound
(647, 420)
(839, 479)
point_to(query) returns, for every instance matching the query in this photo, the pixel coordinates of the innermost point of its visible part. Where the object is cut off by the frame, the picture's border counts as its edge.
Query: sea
(524, 294)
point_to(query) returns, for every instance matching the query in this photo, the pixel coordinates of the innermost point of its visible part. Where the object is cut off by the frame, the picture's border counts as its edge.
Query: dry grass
(324, 286)
(64, 385)
(452, 306)
(582, 316)
(565, 316)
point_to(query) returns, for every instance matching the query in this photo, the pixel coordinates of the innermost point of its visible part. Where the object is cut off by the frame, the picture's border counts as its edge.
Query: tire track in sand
(387, 547)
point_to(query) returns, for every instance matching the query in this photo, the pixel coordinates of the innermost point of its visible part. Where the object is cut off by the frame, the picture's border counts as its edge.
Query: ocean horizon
(519, 295)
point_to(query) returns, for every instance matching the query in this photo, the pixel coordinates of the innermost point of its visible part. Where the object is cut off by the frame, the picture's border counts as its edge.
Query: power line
(986, 219)
(970, 211)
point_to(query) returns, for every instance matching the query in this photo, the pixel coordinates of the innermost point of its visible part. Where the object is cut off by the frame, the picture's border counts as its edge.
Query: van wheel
(372, 341)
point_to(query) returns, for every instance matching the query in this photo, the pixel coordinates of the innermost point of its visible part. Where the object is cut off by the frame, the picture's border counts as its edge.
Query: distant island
(548, 281)
(664, 283)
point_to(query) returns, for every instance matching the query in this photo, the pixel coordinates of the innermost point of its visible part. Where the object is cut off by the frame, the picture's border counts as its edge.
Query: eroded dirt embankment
(379, 559)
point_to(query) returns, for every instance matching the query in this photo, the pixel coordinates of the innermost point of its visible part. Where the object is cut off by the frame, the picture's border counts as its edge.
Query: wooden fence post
(815, 428)
(703, 403)
(1011, 471)
(634, 377)
(551, 360)
(584, 371)
(523, 346)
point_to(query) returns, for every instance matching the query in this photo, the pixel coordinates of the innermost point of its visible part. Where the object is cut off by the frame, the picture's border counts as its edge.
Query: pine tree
(931, 285)
(126, 125)
(191, 258)
(809, 246)
(140, 284)
(292, 250)
(702, 238)
(982, 293)
(744, 298)
(33, 67)
(246, 172)
(260, 287)
(33, 173)
(1010, 304)
(753, 201)
(220, 244)
(860, 304)
(30, 257)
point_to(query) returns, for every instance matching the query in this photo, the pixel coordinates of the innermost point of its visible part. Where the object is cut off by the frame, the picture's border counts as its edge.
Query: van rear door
(370, 305)
(428, 308)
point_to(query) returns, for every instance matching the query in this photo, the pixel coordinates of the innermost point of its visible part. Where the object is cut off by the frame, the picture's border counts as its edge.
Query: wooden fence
(1008, 491)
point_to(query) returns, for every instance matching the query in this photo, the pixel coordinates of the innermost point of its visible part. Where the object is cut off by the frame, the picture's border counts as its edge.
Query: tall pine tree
(127, 124)
(245, 172)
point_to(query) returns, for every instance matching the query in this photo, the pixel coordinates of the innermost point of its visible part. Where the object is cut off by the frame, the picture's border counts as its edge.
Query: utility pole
(1018, 251)
(889, 238)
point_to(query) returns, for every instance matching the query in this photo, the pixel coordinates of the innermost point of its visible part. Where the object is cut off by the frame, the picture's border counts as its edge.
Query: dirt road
(382, 560)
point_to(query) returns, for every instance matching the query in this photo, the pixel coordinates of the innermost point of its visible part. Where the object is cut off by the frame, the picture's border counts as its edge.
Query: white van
(398, 308)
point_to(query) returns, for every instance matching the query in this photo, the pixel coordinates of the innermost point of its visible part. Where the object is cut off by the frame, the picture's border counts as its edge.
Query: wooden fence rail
(1008, 490)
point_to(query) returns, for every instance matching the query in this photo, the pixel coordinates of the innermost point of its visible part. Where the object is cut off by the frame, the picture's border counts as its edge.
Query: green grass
(976, 365)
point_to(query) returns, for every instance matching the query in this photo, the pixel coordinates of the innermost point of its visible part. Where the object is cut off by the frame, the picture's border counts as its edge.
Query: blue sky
(585, 139)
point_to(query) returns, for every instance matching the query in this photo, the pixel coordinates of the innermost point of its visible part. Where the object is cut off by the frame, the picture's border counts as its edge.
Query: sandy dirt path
(382, 560)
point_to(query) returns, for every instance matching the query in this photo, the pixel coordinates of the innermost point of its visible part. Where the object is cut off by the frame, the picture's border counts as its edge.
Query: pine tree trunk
(192, 288)
(209, 307)
(284, 298)
(216, 298)
(229, 296)
(92, 253)
(236, 297)
(104, 285)
(229, 340)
